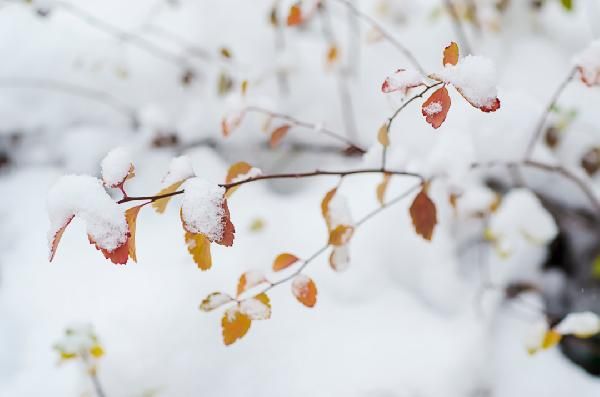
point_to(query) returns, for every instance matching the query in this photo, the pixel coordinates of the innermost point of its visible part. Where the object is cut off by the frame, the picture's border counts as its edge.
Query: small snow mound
(583, 324)
(116, 166)
(202, 209)
(402, 81)
(433, 108)
(180, 169)
(339, 211)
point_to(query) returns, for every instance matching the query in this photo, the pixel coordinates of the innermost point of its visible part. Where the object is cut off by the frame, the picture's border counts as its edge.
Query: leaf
(436, 107)
(450, 54)
(231, 122)
(487, 108)
(551, 339)
(250, 279)
(244, 87)
(325, 206)
(596, 268)
(284, 261)
(228, 228)
(160, 205)
(402, 80)
(96, 351)
(332, 54)
(383, 135)
(278, 134)
(234, 325)
(225, 52)
(215, 300)
(199, 247)
(295, 15)
(341, 235)
(235, 171)
(257, 308)
(339, 259)
(305, 290)
(131, 218)
(118, 256)
(224, 83)
(423, 214)
(57, 236)
(382, 188)
(567, 4)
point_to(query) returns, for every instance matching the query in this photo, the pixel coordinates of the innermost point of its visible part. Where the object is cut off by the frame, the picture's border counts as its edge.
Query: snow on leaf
(234, 324)
(180, 169)
(402, 80)
(215, 300)
(230, 122)
(250, 279)
(85, 197)
(582, 325)
(117, 166)
(118, 256)
(278, 134)
(305, 290)
(339, 259)
(160, 205)
(238, 172)
(131, 217)
(257, 308)
(450, 54)
(423, 214)
(341, 235)
(587, 63)
(325, 206)
(436, 107)
(382, 188)
(199, 247)
(383, 136)
(283, 261)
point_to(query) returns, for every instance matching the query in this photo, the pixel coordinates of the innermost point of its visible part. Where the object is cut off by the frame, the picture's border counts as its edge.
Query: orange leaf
(118, 256)
(451, 54)
(284, 261)
(278, 134)
(382, 188)
(231, 122)
(332, 54)
(295, 16)
(160, 205)
(487, 108)
(436, 107)
(131, 218)
(423, 214)
(305, 290)
(383, 135)
(215, 300)
(257, 308)
(249, 280)
(325, 206)
(236, 170)
(228, 228)
(57, 236)
(341, 235)
(234, 325)
(199, 247)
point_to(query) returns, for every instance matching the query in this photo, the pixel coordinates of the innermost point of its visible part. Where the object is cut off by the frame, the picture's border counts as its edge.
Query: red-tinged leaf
(491, 106)
(402, 80)
(278, 134)
(57, 236)
(235, 325)
(341, 235)
(257, 308)
(305, 290)
(250, 279)
(228, 228)
(284, 261)
(118, 256)
(423, 214)
(231, 122)
(215, 300)
(325, 206)
(382, 188)
(199, 247)
(131, 218)
(590, 79)
(295, 15)
(436, 107)
(450, 54)
(160, 205)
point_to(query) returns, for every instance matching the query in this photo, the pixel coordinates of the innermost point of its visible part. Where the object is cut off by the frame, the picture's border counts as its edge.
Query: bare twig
(92, 372)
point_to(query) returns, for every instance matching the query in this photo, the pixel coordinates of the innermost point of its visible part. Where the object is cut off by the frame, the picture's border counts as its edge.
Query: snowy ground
(405, 319)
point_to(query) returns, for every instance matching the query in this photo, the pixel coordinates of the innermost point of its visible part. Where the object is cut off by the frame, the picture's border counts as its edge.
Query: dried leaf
(383, 135)
(228, 228)
(160, 205)
(332, 54)
(382, 188)
(56, 238)
(118, 256)
(423, 214)
(236, 170)
(199, 247)
(278, 134)
(131, 218)
(295, 15)
(341, 235)
(436, 107)
(451, 54)
(325, 206)
(284, 261)
(215, 300)
(235, 325)
(305, 290)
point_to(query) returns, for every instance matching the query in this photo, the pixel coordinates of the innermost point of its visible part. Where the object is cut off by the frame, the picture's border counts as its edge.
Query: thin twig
(279, 36)
(458, 27)
(91, 370)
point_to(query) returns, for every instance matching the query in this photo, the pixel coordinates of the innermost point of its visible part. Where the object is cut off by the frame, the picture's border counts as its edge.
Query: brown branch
(299, 123)
(551, 104)
(371, 21)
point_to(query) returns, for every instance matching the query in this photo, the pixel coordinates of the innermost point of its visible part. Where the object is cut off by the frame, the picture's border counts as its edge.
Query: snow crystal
(584, 324)
(475, 77)
(255, 309)
(180, 169)
(339, 211)
(85, 197)
(402, 80)
(202, 208)
(588, 62)
(432, 108)
(116, 166)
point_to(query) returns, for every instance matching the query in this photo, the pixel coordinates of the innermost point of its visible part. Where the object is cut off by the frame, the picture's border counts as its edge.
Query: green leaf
(567, 4)
(596, 268)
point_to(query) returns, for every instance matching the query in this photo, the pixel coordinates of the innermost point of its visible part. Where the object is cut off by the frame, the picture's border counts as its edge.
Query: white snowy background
(406, 319)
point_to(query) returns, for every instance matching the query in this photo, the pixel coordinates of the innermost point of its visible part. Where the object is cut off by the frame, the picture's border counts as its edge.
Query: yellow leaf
(96, 351)
(284, 261)
(332, 54)
(325, 206)
(257, 225)
(249, 280)
(278, 134)
(160, 205)
(551, 339)
(382, 188)
(341, 235)
(383, 136)
(305, 290)
(451, 54)
(199, 247)
(244, 87)
(234, 325)
(131, 217)
(235, 171)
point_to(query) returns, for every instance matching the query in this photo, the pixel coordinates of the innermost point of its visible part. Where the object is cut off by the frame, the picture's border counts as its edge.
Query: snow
(475, 77)
(252, 173)
(202, 208)
(402, 80)
(579, 324)
(85, 198)
(78, 339)
(180, 169)
(300, 285)
(255, 309)
(433, 108)
(340, 258)
(214, 300)
(588, 62)
(116, 166)
(339, 211)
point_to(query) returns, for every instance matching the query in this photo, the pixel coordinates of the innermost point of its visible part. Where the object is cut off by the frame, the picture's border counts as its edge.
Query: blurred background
(409, 317)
